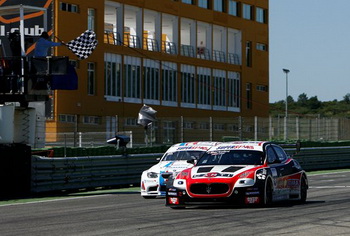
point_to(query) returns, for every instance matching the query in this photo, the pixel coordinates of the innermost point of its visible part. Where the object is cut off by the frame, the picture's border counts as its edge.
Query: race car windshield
(182, 156)
(233, 157)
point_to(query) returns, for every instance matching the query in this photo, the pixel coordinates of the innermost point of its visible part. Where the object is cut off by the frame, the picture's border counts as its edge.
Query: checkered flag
(83, 45)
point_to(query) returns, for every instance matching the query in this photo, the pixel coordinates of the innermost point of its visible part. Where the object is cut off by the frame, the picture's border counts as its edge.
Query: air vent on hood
(204, 169)
(232, 169)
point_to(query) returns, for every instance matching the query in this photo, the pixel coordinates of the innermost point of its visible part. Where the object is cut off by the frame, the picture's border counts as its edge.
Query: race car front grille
(215, 188)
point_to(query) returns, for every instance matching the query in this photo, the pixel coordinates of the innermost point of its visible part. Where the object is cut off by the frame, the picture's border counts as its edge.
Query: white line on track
(329, 186)
(53, 200)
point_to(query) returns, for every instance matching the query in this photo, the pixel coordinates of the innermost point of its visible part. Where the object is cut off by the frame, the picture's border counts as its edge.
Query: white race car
(174, 160)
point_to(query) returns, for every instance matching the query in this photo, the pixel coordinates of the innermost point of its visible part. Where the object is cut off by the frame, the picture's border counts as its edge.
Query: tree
(302, 99)
(347, 98)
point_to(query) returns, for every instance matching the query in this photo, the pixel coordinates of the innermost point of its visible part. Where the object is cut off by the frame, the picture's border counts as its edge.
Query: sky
(311, 38)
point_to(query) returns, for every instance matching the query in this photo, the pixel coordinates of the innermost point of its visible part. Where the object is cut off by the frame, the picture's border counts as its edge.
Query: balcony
(150, 44)
(169, 47)
(187, 50)
(111, 37)
(233, 58)
(203, 53)
(219, 56)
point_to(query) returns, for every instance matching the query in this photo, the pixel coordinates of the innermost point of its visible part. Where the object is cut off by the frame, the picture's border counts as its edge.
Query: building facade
(190, 58)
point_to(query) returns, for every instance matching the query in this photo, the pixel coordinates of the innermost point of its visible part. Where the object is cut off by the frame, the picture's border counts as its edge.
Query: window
(188, 125)
(151, 79)
(169, 79)
(247, 12)
(132, 75)
(233, 91)
(204, 87)
(261, 88)
(281, 155)
(130, 122)
(219, 84)
(91, 19)
(93, 120)
(249, 95)
(203, 3)
(188, 1)
(91, 78)
(188, 86)
(113, 81)
(248, 53)
(67, 118)
(219, 126)
(233, 8)
(69, 7)
(219, 5)
(204, 125)
(261, 47)
(261, 15)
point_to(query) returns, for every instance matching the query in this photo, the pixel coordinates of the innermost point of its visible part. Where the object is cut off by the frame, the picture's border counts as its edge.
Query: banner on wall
(33, 26)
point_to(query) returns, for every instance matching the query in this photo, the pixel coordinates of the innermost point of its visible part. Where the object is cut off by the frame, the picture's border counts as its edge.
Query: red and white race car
(240, 173)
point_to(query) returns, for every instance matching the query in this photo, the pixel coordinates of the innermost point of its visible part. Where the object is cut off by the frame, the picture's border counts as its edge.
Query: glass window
(232, 8)
(219, 5)
(271, 155)
(113, 81)
(204, 86)
(233, 89)
(187, 84)
(219, 84)
(247, 12)
(261, 47)
(281, 155)
(169, 79)
(248, 53)
(260, 15)
(188, 1)
(91, 19)
(132, 75)
(203, 4)
(151, 79)
(91, 78)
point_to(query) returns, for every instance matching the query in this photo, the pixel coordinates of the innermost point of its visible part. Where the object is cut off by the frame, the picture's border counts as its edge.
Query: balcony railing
(169, 47)
(203, 53)
(187, 50)
(233, 58)
(219, 56)
(112, 38)
(151, 44)
(132, 41)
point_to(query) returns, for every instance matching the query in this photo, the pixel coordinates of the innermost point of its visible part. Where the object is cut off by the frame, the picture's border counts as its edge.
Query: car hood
(219, 171)
(170, 166)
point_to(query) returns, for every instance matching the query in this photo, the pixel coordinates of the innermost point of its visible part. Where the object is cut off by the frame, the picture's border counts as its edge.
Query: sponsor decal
(274, 172)
(172, 194)
(212, 174)
(173, 200)
(252, 193)
(252, 200)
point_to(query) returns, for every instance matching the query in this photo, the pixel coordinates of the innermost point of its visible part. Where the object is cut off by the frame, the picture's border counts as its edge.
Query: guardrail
(54, 174)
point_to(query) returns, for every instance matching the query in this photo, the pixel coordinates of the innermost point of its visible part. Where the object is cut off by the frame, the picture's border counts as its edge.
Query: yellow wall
(70, 25)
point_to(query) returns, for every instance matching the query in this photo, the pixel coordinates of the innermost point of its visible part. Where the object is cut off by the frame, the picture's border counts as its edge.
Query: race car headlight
(152, 175)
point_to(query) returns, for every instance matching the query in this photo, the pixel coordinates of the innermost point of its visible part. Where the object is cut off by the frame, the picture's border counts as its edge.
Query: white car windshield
(182, 155)
(232, 157)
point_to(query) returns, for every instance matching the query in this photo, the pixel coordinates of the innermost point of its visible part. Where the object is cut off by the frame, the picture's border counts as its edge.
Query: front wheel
(267, 194)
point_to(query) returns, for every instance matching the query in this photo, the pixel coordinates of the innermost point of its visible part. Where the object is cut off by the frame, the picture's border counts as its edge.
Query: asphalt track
(326, 212)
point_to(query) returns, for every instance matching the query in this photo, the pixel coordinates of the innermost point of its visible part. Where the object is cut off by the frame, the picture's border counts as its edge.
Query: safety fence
(55, 174)
(169, 130)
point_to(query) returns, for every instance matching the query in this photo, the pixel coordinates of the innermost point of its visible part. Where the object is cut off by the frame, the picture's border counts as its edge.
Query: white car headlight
(152, 175)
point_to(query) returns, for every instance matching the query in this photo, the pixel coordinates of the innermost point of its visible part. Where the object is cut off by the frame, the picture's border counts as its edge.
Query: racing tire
(267, 194)
(303, 190)
(149, 197)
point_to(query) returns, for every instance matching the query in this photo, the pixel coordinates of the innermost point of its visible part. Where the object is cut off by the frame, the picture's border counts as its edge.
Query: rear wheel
(303, 189)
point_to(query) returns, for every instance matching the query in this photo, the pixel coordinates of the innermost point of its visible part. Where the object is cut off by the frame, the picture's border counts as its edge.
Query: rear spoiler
(296, 145)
